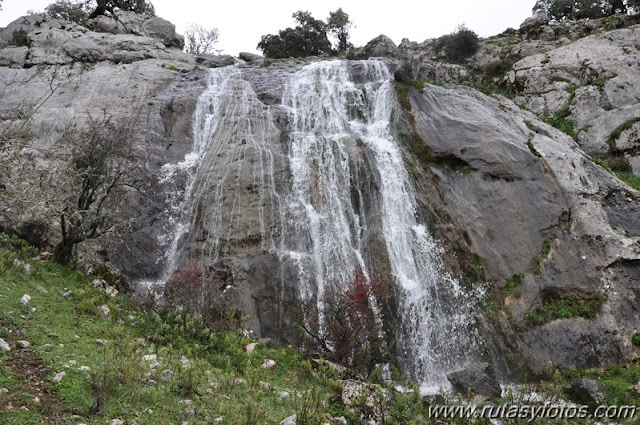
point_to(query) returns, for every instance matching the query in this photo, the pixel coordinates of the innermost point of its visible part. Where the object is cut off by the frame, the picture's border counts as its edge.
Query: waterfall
(330, 114)
(319, 219)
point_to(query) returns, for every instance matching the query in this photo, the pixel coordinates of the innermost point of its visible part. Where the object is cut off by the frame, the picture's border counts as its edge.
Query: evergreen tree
(338, 24)
(308, 38)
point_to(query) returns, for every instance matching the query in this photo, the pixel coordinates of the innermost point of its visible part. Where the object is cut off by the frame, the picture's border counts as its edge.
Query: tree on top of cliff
(560, 10)
(308, 38)
(338, 24)
(79, 11)
(459, 45)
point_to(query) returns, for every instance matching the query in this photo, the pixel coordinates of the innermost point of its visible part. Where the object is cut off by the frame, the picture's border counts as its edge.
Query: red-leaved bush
(348, 330)
(199, 291)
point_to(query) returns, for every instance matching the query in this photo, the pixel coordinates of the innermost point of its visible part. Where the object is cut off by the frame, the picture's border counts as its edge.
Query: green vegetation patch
(611, 140)
(565, 309)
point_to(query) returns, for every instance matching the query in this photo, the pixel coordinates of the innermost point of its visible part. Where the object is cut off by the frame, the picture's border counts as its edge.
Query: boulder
(381, 46)
(409, 69)
(537, 20)
(215, 61)
(588, 392)
(291, 420)
(249, 57)
(163, 30)
(479, 379)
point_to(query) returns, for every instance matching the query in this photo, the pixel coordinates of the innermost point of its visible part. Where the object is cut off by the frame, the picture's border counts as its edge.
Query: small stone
(154, 365)
(84, 368)
(166, 375)
(58, 377)
(42, 290)
(25, 299)
(72, 362)
(239, 381)
(104, 310)
(23, 344)
(44, 256)
(47, 346)
(184, 360)
(117, 422)
(101, 342)
(268, 364)
(250, 348)
(291, 420)
(340, 421)
(185, 402)
(99, 283)
(150, 357)
(189, 412)
(28, 269)
(4, 346)
(36, 400)
(218, 420)
(17, 263)
(4, 391)
(266, 386)
(66, 294)
(111, 291)
(284, 395)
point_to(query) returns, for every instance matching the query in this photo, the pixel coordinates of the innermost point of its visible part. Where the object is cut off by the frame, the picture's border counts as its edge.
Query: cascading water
(315, 220)
(331, 114)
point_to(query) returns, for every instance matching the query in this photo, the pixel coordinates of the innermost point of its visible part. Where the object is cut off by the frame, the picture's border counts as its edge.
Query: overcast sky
(242, 23)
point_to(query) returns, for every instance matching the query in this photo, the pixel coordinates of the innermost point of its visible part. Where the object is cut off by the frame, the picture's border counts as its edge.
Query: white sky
(242, 23)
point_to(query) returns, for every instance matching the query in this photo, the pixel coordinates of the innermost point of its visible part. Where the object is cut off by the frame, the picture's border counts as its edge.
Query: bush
(458, 45)
(73, 11)
(201, 292)
(20, 37)
(560, 10)
(199, 40)
(350, 332)
(309, 38)
(636, 339)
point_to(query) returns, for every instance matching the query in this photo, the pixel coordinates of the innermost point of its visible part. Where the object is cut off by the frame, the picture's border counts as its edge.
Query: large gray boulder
(123, 22)
(588, 392)
(535, 21)
(479, 379)
(381, 46)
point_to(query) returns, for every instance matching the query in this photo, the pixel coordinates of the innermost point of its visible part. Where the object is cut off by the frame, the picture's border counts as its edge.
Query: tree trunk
(63, 252)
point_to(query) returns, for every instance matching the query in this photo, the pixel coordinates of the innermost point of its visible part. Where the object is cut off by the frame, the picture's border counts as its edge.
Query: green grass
(565, 309)
(611, 140)
(630, 179)
(125, 384)
(513, 286)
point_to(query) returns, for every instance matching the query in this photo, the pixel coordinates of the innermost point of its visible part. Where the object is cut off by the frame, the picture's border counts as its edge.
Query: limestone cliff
(509, 197)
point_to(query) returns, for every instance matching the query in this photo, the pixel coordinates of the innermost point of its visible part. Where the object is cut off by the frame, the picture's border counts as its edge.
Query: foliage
(459, 45)
(630, 179)
(338, 25)
(70, 10)
(199, 40)
(347, 329)
(636, 339)
(308, 38)
(627, 125)
(20, 37)
(102, 7)
(561, 10)
(554, 309)
(199, 291)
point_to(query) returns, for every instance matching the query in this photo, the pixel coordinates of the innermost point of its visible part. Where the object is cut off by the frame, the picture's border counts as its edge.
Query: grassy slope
(73, 324)
(126, 387)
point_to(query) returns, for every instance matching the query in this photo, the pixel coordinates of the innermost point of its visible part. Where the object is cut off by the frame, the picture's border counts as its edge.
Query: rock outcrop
(505, 193)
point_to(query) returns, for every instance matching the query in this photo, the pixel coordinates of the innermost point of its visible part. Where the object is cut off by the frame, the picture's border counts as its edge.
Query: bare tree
(199, 40)
(83, 184)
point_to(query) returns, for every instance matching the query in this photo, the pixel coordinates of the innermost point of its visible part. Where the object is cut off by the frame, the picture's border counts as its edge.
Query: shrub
(350, 332)
(199, 40)
(459, 45)
(20, 37)
(199, 291)
(636, 339)
(73, 11)
(308, 38)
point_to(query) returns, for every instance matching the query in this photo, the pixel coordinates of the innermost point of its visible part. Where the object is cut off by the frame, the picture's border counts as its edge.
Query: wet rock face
(524, 199)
